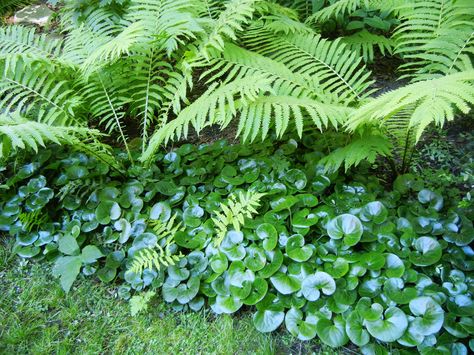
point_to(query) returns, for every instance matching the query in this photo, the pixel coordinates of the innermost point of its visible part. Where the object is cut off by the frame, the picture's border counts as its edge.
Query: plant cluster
(156, 70)
(338, 259)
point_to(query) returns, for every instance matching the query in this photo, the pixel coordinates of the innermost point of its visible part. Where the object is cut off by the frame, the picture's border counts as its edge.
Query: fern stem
(147, 99)
(458, 54)
(116, 119)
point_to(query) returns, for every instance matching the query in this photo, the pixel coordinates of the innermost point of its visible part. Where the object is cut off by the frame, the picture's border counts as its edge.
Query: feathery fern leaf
(236, 13)
(434, 101)
(236, 63)
(25, 42)
(167, 21)
(340, 7)
(364, 44)
(9, 5)
(106, 103)
(33, 90)
(424, 22)
(234, 211)
(113, 49)
(217, 105)
(452, 51)
(159, 255)
(336, 67)
(365, 147)
(17, 133)
(258, 116)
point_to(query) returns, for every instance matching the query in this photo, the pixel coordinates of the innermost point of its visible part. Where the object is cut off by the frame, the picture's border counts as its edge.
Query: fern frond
(338, 69)
(9, 5)
(365, 147)
(236, 62)
(236, 13)
(18, 133)
(217, 105)
(434, 101)
(106, 103)
(452, 51)
(422, 22)
(33, 220)
(150, 258)
(279, 111)
(234, 211)
(33, 90)
(113, 49)
(159, 255)
(23, 41)
(340, 7)
(167, 229)
(364, 44)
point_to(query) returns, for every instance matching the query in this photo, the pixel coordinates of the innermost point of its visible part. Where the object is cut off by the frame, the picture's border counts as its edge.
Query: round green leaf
(391, 327)
(312, 285)
(304, 329)
(345, 226)
(161, 211)
(356, 330)
(285, 284)
(332, 333)
(107, 211)
(268, 234)
(427, 251)
(296, 249)
(374, 212)
(268, 320)
(430, 315)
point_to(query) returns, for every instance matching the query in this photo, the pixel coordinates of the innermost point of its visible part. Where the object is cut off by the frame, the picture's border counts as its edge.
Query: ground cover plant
(319, 227)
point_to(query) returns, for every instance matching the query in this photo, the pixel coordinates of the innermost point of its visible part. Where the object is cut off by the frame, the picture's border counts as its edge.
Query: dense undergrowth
(327, 256)
(98, 179)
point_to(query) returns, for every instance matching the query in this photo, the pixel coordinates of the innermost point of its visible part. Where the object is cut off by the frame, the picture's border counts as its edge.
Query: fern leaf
(362, 148)
(340, 7)
(433, 100)
(236, 13)
(22, 41)
(337, 68)
(31, 89)
(286, 109)
(364, 44)
(18, 133)
(214, 106)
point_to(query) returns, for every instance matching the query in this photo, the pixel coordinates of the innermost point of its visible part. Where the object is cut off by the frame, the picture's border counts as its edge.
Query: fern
(433, 101)
(139, 303)
(234, 211)
(258, 115)
(217, 105)
(159, 255)
(336, 67)
(364, 44)
(423, 23)
(18, 133)
(9, 5)
(449, 53)
(33, 220)
(25, 42)
(236, 13)
(32, 90)
(340, 7)
(365, 147)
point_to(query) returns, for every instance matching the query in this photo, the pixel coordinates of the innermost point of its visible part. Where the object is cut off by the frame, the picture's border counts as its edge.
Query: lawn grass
(36, 317)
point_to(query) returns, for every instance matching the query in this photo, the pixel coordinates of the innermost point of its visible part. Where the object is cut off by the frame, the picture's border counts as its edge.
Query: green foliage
(149, 258)
(329, 257)
(139, 303)
(234, 212)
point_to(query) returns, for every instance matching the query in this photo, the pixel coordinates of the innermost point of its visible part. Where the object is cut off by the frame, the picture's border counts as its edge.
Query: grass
(37, 317)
